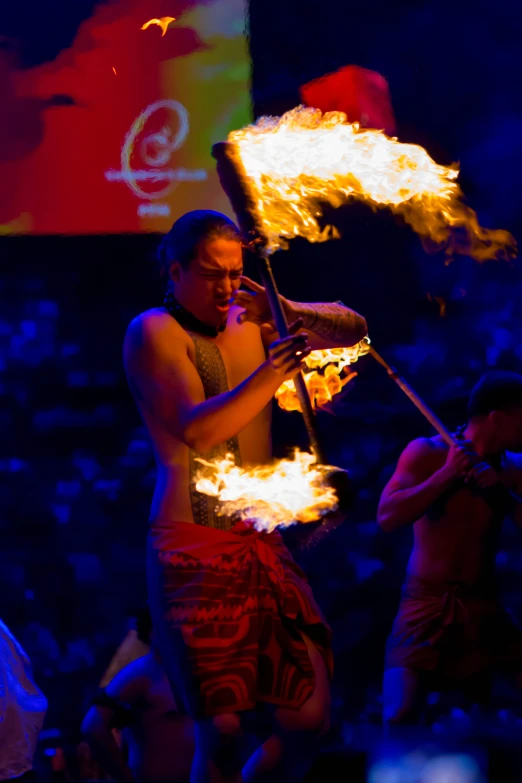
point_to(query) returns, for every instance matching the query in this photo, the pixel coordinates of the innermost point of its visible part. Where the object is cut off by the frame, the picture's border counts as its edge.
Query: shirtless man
(236, 620)
(138, 701)
(449, 623)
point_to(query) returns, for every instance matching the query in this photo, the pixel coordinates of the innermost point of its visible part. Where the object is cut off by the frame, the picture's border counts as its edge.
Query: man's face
(206, 287)
(508, 426)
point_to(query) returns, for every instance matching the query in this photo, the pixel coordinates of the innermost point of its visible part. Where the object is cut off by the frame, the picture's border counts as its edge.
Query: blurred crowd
(77, 475)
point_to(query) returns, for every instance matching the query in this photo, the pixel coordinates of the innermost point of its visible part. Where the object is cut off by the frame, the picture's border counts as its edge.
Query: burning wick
(114, 70)
(295, 163)
(271, 496)
(162, 22)
(323, 386)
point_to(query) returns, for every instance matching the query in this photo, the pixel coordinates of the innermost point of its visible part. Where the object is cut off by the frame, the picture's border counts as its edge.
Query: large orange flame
(323, 386)
(277, 495)
(296, 162)
(162, 22)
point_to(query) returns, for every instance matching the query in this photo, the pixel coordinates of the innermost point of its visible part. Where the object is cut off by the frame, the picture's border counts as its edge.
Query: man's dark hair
(496, 391)
(182, 241)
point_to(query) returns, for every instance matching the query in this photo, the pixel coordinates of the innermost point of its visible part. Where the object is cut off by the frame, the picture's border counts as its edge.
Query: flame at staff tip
(114, 70)
(296, 162)
(322, 387)
(271, 496)
(162, 22)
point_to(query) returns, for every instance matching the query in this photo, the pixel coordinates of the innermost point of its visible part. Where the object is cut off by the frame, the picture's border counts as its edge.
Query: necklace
(187, 320)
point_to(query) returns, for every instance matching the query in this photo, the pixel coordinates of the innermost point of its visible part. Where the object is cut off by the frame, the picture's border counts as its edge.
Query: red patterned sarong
(229, 610)
(454, 628)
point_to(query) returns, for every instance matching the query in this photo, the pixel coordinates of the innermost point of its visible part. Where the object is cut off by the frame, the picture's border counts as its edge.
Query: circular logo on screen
(147, 150)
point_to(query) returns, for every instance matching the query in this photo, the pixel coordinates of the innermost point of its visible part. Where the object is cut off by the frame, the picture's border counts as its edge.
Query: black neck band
(189, 321)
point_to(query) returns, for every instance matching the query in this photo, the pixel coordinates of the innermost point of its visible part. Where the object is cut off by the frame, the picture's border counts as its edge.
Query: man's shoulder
(151, 336)
(423, 451)
(437, 443)
(427, 445)
(132, 681)
(151, 323)
(156, 317)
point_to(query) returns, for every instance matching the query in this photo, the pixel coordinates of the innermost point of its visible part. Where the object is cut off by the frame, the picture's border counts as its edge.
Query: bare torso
(456, 540)
(242, 352)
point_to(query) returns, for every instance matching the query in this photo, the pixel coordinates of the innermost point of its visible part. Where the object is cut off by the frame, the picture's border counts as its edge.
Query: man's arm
(329, 324)
(166, 382)
(97, 729)
(416, 485)
(112, 709)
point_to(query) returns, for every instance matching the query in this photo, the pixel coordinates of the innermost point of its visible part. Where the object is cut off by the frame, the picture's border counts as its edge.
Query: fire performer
(450, 627)
(236, 620)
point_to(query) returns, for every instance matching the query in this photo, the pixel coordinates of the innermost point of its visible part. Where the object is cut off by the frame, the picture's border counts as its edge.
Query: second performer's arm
(418, 483)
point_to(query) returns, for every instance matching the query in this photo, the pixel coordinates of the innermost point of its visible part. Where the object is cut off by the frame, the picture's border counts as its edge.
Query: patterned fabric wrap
(229, 609)
(457, 629)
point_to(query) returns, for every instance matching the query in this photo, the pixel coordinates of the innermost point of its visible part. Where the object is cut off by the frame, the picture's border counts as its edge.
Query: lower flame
(276, 495)
(323, 386)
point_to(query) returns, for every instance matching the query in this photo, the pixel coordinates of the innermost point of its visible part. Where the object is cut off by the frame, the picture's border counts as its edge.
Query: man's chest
(465, 511)
(242, 352)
